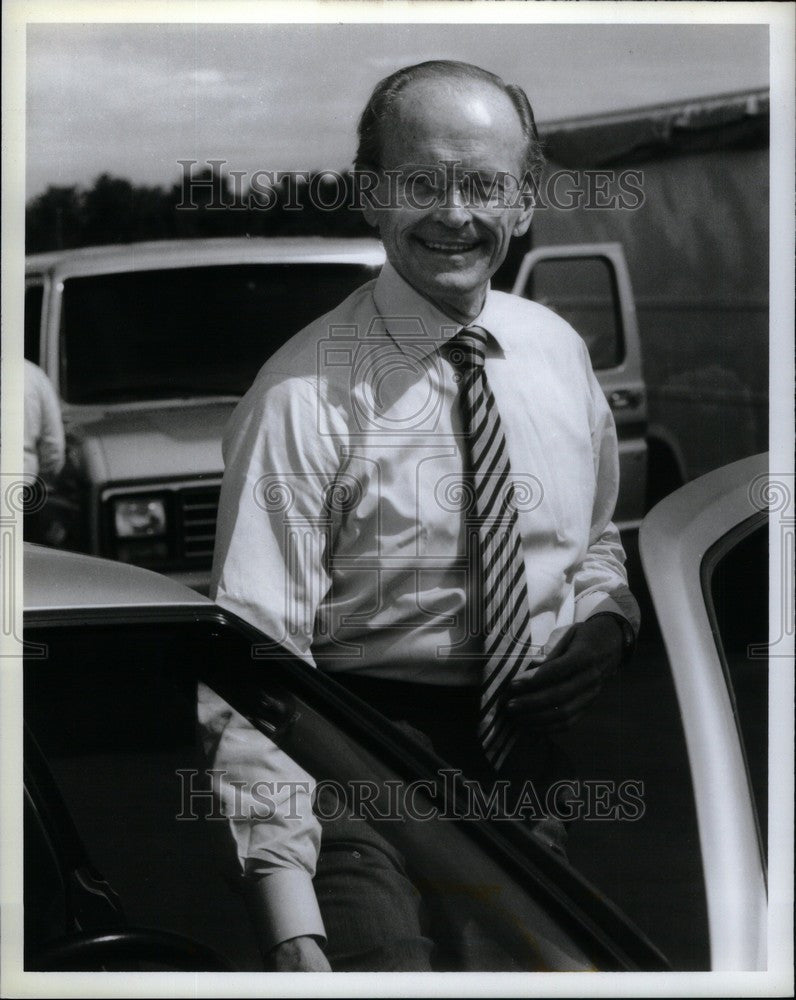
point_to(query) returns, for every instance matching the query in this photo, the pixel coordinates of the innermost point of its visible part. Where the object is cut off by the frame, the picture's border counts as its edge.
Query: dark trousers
(374, 914)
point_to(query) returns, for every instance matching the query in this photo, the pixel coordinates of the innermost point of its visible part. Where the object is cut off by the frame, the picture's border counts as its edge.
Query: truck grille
(198, 507)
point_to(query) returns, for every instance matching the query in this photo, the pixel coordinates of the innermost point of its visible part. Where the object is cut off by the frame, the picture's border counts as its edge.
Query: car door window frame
(720, 549)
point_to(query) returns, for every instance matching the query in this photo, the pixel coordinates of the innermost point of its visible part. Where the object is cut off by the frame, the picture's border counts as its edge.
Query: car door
(589, 286)
(705, 555)
(112, 708)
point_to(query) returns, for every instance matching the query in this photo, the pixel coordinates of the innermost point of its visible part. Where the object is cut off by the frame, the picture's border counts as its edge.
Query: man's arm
(555, 694)
(600, 582)
(269, 568)
(267, 799)
(282, 458)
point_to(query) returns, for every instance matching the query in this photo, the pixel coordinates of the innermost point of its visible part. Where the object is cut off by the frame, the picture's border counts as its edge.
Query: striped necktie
(501, 588)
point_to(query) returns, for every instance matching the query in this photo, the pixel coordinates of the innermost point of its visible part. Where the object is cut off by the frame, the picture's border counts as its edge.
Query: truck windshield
(192, 331)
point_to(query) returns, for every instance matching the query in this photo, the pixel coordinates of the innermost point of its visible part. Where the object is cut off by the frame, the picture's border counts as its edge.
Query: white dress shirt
(341, 532)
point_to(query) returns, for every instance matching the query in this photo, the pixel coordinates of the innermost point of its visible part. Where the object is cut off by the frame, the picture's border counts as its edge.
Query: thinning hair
(382, 101)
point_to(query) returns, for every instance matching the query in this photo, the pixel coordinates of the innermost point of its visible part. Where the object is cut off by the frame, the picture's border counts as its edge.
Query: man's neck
(461, 313)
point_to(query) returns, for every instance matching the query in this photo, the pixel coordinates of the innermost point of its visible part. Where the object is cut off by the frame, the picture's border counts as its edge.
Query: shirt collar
(409, 317)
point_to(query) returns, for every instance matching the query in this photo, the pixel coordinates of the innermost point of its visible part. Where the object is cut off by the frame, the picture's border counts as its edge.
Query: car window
(114, 714)
(583, 291)
(735, 583)
(188, 331)
(113, 709)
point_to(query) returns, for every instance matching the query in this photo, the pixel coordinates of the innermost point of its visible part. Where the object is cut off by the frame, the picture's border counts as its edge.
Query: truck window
(191, 331)
(582, 290)
(34, 296)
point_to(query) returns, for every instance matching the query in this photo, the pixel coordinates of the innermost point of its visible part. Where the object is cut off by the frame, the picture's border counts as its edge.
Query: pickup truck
(150, 346)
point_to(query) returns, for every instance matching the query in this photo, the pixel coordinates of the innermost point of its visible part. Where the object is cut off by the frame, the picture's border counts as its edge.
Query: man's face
(445, 244)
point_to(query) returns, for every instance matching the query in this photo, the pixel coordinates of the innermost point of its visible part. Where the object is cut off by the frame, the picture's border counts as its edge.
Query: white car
(705, 556)
(125, 867)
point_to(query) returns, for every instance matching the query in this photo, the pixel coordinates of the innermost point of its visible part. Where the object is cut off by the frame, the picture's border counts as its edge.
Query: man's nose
(453, 209)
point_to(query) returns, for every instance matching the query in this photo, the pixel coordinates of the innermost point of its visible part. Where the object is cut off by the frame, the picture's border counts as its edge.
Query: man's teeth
(449, 246)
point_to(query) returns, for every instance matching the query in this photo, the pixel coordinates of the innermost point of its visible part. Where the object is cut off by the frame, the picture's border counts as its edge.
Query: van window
(583, 291)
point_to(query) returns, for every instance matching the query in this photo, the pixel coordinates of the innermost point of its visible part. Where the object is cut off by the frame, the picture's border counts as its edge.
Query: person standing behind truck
(44, 429)
(44, 439)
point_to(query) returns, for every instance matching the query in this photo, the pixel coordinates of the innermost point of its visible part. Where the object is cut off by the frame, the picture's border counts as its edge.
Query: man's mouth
(449, 246)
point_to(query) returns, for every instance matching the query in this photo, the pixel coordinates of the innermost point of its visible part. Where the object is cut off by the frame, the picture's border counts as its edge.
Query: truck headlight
(139, 517)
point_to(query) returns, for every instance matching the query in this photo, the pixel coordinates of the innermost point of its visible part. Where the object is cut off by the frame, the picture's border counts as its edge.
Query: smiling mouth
(449, 246)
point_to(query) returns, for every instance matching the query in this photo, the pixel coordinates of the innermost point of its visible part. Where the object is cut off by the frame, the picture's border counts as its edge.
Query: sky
(133, 99)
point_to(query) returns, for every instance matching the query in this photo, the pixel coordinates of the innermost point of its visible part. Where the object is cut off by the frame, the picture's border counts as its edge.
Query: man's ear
(370, 183)
(523, 220)
(370, 213)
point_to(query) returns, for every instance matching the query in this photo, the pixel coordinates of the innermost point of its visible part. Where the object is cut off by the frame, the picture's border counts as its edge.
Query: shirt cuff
(285, 907)
(599, 602)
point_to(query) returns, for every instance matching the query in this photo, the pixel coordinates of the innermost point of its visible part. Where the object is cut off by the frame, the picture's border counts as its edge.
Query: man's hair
(383, 98)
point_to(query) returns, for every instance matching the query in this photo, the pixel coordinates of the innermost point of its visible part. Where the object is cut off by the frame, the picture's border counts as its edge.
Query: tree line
(114, 210)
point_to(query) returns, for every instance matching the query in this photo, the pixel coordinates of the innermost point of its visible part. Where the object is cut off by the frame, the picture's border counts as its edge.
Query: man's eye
(422, 186)
(495, 191)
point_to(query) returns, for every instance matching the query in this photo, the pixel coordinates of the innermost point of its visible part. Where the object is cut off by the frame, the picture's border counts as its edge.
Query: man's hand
(554, 695)
(299, 954)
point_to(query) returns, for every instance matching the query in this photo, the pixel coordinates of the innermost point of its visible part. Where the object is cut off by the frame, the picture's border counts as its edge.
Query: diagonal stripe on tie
(504, 610)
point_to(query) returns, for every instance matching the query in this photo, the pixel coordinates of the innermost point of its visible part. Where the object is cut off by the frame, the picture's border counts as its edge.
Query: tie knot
(467, 349)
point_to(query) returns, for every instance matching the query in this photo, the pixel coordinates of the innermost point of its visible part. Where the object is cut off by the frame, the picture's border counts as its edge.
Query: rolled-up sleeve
(267, 801)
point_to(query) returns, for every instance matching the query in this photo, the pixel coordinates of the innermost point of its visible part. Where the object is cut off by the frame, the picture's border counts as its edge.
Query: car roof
(55, 580)
(161, 254)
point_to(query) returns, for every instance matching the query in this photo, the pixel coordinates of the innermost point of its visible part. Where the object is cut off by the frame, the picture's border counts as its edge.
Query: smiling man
(439, 243)
(418, 498)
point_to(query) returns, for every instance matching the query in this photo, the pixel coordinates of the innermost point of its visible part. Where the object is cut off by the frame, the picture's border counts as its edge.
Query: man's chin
(457, 283)
(454, 294)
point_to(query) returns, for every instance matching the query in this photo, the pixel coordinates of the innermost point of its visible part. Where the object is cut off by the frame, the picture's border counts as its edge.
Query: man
(419, 490)
(44, 445)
